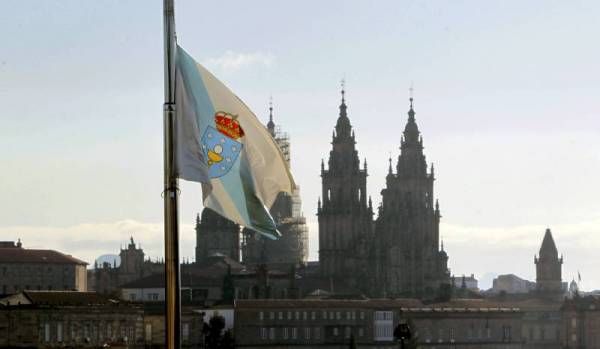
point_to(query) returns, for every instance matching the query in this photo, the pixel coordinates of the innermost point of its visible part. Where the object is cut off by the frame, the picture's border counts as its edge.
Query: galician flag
(223, 145)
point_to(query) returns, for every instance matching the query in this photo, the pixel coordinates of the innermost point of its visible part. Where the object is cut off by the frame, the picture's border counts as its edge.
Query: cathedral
(399, 253)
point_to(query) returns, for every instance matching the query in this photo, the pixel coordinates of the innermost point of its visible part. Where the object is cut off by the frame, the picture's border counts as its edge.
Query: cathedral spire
(271, 124)
(390, 166)
(548, 249)
(343, 127)
(411, 131)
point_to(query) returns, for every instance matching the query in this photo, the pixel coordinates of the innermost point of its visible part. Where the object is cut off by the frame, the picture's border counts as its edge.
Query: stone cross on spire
(271, 124)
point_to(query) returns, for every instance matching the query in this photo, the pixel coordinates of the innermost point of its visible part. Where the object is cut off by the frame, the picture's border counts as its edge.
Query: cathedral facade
(399, 253)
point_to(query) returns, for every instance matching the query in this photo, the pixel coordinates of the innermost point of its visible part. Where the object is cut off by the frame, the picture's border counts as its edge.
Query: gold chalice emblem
(214, 155)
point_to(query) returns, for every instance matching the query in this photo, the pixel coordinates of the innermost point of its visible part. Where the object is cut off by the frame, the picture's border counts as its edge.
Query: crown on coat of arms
(228, 125)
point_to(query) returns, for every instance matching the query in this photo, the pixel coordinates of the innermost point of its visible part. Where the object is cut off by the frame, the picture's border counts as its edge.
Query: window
(289, 315)
(489, 332)
(338, 315)
(348, 316)
(294, 332)
(261, 316)
(304, 315)
(272, 315)
(312, 315)
(362, 315)
(185, 332)
(285, 333)
(331, 316)
(353, 315)
(347, 332)
(272, 333)
(440, 334)
(46, 332)
(324, 314)
(263, 333)
(317, 333)
(574, 322)
(506, 333)
(361, 332)
(132, 296)
(147, 333)
(109, 330)
(280, 315)
(59, 332)
(451, 334)
(297, 315)
(307, 333)
(335, 331)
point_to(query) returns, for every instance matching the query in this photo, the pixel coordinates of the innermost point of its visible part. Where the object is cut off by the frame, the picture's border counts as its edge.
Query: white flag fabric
(223, 145)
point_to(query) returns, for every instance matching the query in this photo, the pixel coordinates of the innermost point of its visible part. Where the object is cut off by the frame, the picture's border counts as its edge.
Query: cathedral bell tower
(410, 262)
(291, 249)
(345, 213)
(548, 267)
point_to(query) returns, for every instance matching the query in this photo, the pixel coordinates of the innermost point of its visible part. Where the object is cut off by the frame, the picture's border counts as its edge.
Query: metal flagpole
(171, 199)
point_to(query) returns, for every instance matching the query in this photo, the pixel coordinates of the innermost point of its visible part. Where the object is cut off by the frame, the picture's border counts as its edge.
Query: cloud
(233, 61)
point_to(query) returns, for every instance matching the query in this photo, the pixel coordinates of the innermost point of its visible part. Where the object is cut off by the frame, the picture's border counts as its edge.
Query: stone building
(63, 319)
(331, 323)
(292, 247)
(345, 213)
(216, 235)
(549, 268)
(31, 269)
(107, 278)
(511, 284)
(409, 259)
(581, 322)
(53, 319)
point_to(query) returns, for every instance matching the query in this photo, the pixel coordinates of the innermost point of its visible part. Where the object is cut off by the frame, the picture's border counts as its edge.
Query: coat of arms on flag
(220, 145)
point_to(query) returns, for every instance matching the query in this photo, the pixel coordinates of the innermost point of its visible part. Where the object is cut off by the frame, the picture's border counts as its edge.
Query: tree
(413, 342)
(352, 342)
(228, 341)
(215, 327)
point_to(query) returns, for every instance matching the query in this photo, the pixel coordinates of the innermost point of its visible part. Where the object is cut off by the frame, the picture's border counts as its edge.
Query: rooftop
(57, 298)
(17, 254)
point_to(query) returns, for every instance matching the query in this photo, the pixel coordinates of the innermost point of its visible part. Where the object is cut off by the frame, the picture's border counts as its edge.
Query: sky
(505, 95)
